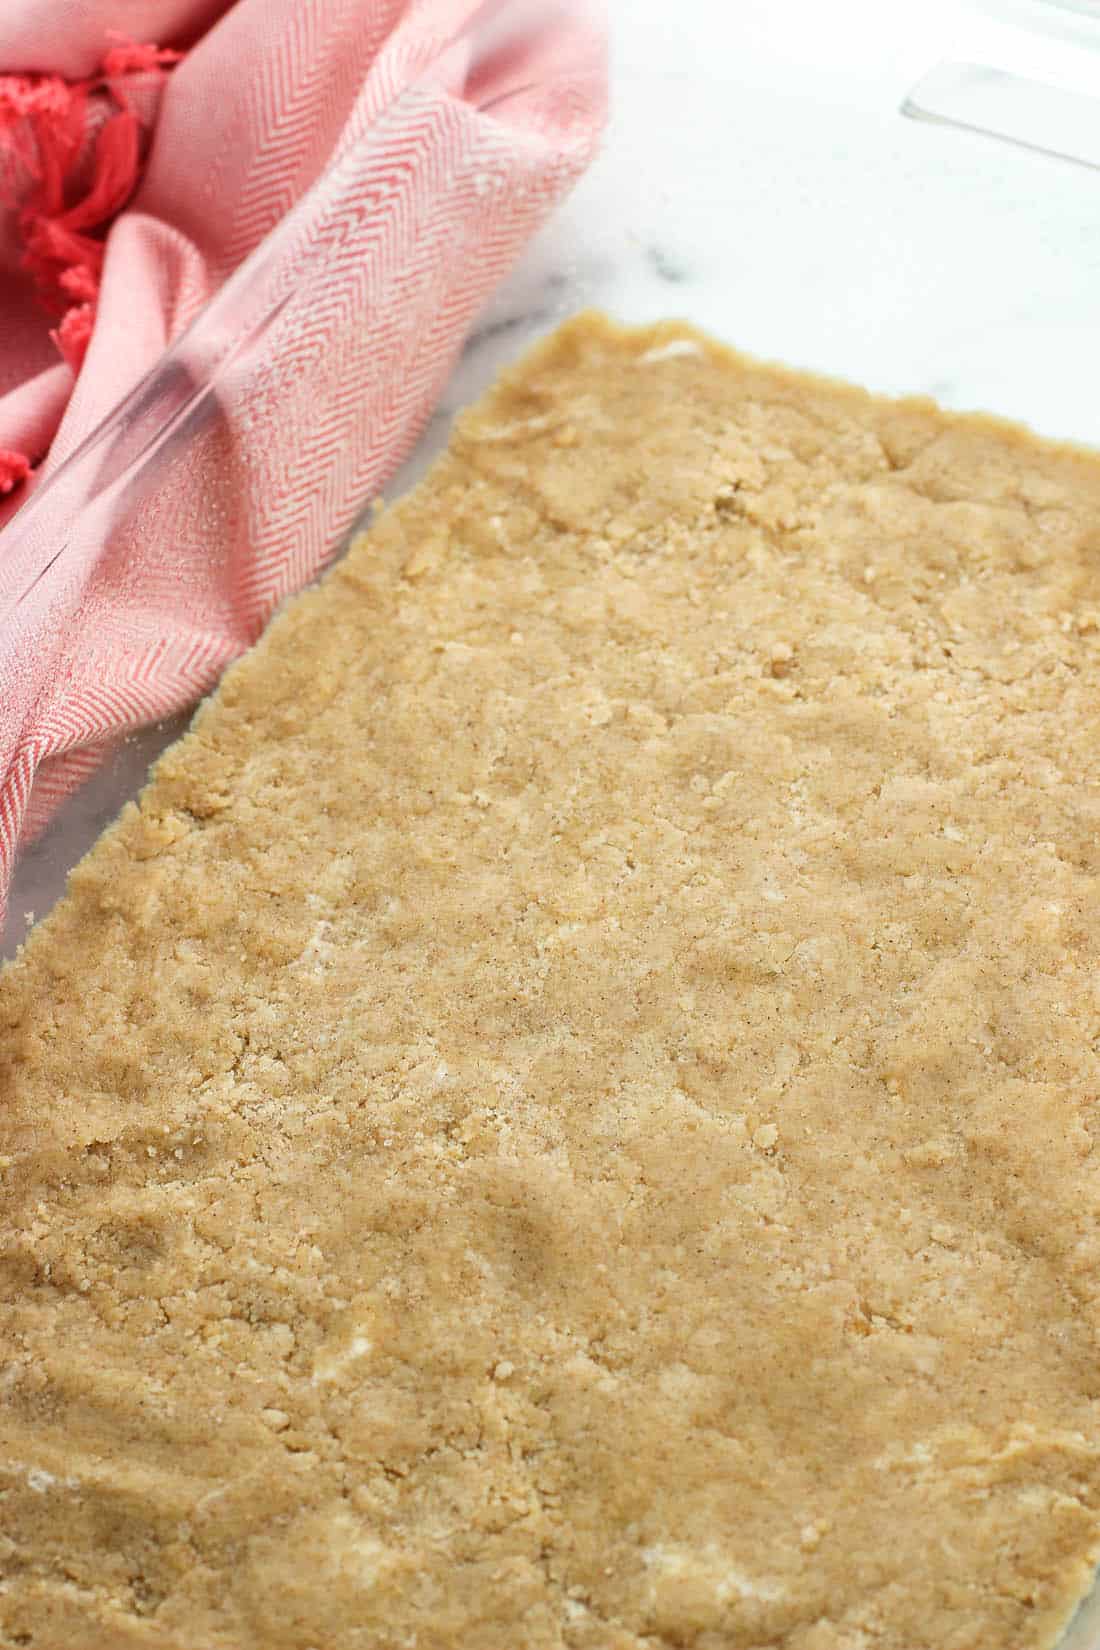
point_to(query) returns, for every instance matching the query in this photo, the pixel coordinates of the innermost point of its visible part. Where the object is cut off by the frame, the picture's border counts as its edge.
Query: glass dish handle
(1021, 111)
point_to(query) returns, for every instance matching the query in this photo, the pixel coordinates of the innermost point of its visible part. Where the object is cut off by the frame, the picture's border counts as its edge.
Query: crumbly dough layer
(566, 1115)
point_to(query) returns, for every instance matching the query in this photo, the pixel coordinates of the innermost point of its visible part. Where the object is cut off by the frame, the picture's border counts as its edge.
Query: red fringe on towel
(42, 138)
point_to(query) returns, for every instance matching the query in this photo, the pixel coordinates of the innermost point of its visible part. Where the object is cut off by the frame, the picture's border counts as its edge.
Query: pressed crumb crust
(565, 1116)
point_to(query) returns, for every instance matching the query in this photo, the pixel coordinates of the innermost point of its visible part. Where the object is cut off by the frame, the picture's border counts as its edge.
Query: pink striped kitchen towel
(134, 180)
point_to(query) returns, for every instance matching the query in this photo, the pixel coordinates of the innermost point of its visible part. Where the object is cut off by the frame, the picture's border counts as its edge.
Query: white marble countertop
(864, 52)
(759, 180)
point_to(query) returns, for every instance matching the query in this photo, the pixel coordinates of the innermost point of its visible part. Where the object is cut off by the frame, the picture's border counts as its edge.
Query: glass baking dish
(791, 210)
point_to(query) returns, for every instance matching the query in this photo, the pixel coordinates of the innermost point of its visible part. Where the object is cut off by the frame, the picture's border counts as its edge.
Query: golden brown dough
(565, 1117)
